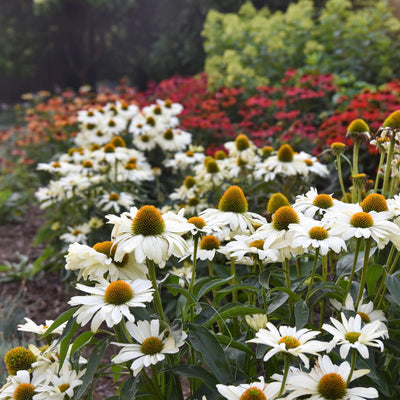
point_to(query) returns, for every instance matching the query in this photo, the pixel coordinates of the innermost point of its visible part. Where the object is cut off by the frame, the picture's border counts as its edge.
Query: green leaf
(301, 313)
(128, 389)
(116, 370)
(345, 263)
(374, 272)
(81, 340)
(265, 276)
(214, 284)
(393, 285)
(65, 316)
(194, 371)
(213, 354)
(66, 337)
(290, 293)
(93, 363)
(228, 341)
(175, 289)
(278, 301)
(233, 310)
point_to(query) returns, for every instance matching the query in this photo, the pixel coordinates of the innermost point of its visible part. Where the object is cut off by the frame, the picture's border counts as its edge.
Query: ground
(44, 297)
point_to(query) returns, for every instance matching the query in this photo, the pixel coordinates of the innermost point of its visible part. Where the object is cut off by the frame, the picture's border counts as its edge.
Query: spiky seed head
(332, 386)
(212, 167)
(209, 242)
(113, 196)
(24, 391)
(337, 148)
(323, 201)
(277, 200)
(374, 202)
(118, 293)
(168, 134)
(220, 155)
(361, 220)
(242, 142)
(258, 244)
(290, 342)
(318, 233)
(109, 148)
(283, 217)
(392, 121)
(285, 153)
(233, 200)
(152, 345)
(18, 359)
(148, 222)
(189, 182)
(118, 141)
(198, 222)
(267, 151)
(253, 393)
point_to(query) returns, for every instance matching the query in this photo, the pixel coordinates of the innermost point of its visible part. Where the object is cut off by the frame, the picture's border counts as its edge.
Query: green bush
(254, 48)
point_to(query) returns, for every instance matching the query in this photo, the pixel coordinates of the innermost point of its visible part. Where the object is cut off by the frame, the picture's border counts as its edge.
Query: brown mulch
(46, 296)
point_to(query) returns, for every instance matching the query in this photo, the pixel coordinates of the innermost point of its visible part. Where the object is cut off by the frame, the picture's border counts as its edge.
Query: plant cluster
(299, 301)
(254, 47)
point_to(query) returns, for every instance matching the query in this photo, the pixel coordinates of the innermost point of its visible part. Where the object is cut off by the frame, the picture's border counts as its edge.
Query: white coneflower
(311, 235)
(327, 381)
(349, 334)
(21, 386)
(148, 234)
(98, 262)
(232, 214)
(289, 340)
(31, 326)
(252, 391)
(110, 302)
(313, 203)
(151, 348)
(77, 233)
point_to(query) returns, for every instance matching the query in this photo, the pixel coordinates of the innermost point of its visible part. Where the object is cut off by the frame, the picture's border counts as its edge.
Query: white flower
(327, 381)
(313, 203)
(21, 382)
(110, 302)
(255, 390)
(59, 385)
(257, 321)
(151, 348)
(349, 334)
(311, 234)
(149, 235)
(232, 214)
(76, 234)
(249, 245)
(115, 201)
(289, 340)
(98, 262)
(352, 222)
(31, 326)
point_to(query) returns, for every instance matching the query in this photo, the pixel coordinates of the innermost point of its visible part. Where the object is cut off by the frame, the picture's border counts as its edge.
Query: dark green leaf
(66, 337)
(214, 284)
(374, 272)
(65, 316)
(228, 341)
(233, 310)
(93, 363)
(278, 301)
(213, 354)
(81, 340)
(393, 285)
(194, 371)
(128, 389)
(301, 313)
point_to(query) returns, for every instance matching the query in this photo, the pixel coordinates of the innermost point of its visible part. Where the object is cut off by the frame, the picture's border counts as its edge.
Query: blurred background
(50, 44)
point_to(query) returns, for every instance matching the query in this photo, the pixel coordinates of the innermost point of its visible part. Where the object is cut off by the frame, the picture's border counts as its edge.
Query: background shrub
(253, 48)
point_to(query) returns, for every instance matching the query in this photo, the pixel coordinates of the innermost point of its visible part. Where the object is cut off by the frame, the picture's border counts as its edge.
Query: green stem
(286, 269)
(264, 293)
(353, 364)
(353, 269)
(388, 168)
(154, 388)
(195, 243)
(233, 273)
(339, 169)
(324, 279)
(391, 270)
(382, 282)
(363, 272)
(356, 149)
(125, 330)
(210, 268)
(377, 178)
(285, 374)
(312, 274)
(157, 298)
